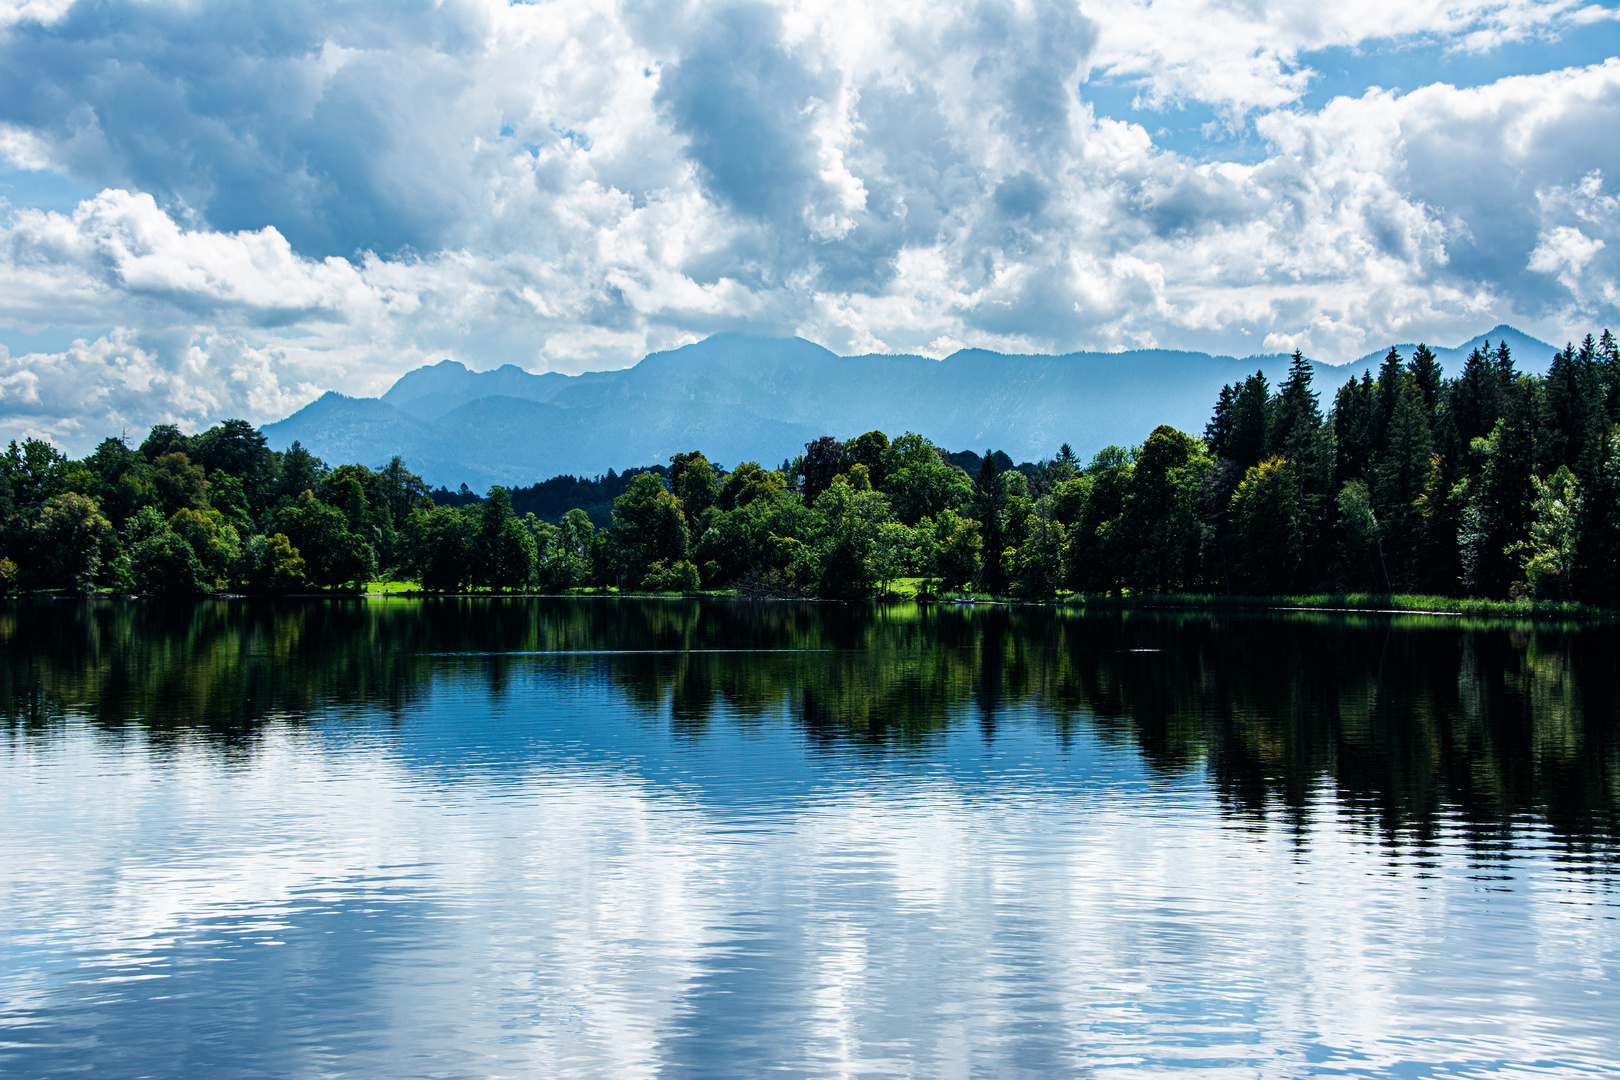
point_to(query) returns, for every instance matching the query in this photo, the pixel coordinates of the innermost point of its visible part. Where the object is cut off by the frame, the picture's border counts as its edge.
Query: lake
(625, 838)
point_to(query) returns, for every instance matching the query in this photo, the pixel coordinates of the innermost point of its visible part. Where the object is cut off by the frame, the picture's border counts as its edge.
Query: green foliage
(1401, 478)
(179, 484)
(442, 545)
(1548, 557)
(1360, 540)
(1036, 567)
(919, 481)
(761, 538)
(1267, 521)
(72, 542)
(1493, 482)
(823, 459)
(749, 481)
(237, 449)
(990, 498)
(297, 471)
(34, 472)
(227, 495)
(272, 564)
(1097, 555)
(869, 450)
(1158, 524)
(213, 540)
(505, 553)
(1496, 505)
(696, 483)
(123, 480)
(955, 547)
(335, 556)
(160, 561)
(679, 576)
(648, 526)
(898, 551)
(565, 560)
(843, 552)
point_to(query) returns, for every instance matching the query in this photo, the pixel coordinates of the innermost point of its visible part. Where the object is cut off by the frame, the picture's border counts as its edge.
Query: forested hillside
(1494, 483)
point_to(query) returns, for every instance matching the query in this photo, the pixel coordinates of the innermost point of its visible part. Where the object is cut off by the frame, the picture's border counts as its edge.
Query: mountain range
(743, 398)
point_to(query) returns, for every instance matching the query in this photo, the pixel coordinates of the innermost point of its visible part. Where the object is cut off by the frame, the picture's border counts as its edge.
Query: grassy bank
(908, 589)
(1396, 602)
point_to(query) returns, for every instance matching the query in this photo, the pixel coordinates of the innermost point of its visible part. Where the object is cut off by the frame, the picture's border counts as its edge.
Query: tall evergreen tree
(1391, 374)
(1499, 496)
(1353, 431)
(1576, 406)
(1608, 361)
(1426, 372)
(1218, 432)
(1250, 411)
(1298, 435)
(1476, 397)
(1402, 477)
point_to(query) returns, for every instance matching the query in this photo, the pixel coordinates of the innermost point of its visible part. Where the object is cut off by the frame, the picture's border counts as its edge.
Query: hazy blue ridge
(740, 398)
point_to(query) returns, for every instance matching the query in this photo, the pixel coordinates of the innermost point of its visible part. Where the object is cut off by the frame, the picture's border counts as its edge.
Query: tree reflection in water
(1408, 721)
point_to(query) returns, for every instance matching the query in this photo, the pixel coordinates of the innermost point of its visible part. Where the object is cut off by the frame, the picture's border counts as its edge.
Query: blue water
(553, 867)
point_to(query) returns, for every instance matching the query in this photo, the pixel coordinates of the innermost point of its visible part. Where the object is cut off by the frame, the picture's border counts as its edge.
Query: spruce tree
(1476, 397)
(1608, 360)
(1426, 372)
(1218, 432)
(1402, 477)
(1250, 409)
(1497, 514)
(1298, 435)
(1353, 431)
(1563, 387)
(1391, 374)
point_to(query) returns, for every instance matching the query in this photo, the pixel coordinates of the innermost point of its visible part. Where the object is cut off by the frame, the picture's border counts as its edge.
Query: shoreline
(1341, 604)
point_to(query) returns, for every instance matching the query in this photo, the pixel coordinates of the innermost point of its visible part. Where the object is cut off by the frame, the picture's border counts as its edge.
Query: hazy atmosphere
(217, 211)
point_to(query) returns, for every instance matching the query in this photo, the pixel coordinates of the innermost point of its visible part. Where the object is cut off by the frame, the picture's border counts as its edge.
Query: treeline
(1495, 483)
(217, 511)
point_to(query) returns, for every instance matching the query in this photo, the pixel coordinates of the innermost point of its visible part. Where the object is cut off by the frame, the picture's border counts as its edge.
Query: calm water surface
(637, 838)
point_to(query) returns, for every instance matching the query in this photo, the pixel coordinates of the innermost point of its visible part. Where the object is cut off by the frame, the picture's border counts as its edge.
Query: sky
(215, 210)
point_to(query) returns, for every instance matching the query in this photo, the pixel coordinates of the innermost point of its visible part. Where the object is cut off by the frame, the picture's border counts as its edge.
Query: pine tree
(1402, 477)
(1476, 397)
(1576, 402)
(1597, 567)
(1430, 379)
(1391, 374)
(1353, 431)
(1498, 499)
(1218, 432)
(1608, 361)
(1298, 435)
(1247, 442)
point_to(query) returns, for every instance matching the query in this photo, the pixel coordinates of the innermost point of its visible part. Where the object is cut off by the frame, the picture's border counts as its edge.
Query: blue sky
(221, 210)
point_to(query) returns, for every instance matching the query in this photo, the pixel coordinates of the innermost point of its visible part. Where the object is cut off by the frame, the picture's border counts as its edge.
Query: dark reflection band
(1410, 720)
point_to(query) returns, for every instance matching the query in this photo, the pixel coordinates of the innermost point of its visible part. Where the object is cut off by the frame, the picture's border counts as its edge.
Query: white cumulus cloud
(294, 199)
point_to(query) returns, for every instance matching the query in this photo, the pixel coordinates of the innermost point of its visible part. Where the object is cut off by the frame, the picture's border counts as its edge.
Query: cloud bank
(292, 198)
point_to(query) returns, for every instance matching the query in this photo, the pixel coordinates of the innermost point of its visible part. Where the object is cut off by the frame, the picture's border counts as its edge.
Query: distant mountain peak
(746, 397)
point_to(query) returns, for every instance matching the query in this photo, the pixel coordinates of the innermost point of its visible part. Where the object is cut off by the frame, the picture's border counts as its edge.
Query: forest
(1496, 483)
